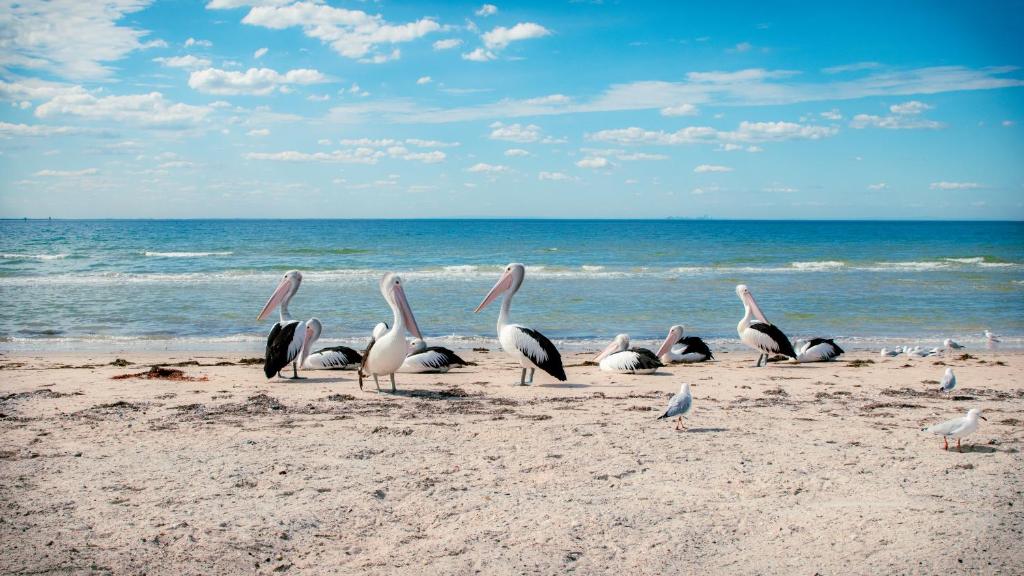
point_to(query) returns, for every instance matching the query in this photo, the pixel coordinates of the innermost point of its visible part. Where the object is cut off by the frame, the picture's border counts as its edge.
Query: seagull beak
(276, 298)
(503, 284)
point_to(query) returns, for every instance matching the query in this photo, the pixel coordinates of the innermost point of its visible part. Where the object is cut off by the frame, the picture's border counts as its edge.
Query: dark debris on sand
(161, 373)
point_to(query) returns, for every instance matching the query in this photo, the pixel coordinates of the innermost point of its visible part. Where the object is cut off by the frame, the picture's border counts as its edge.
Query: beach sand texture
(788, 469)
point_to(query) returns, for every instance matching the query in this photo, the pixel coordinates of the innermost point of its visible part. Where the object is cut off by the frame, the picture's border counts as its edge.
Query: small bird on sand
(992, 338)
(679, 405)
(948, 381)
(951, 345)
(886, 353)
(957, 428)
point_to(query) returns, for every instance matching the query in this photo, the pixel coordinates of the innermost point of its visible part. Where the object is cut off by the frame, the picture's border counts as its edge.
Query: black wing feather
(694, 345)
(835, 347)
(349, 356)
(553, 364)
(782, 344)
(451, 358)
(277, 347)
(645, 359)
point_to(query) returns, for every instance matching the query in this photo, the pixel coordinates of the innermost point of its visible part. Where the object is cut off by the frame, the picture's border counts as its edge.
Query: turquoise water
(199, 284)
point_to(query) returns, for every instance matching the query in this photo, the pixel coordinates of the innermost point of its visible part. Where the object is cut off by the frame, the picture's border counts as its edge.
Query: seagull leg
(393, 390)
(945, 442)
(958, 449)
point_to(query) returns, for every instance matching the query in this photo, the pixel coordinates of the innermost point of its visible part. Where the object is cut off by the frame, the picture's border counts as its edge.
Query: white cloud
(432, 157)
(516, 152)
(679, 110)
(622, 154)
(8, 130)
(318, 97)
(195, 42)
(704, 168)
(521, 133)
(486, 10)
(500, 37)
(424, 80)
(954, 185)
(150, 109)
(878, 186)
(747, 132)
(832, 114)
(742, 47)
(593, 162)
(777, 188)
(260, 53)
(1008, 123)
(555, 176)
(254, 81)
(487, 168)
(67, 173)
(258, 132)
(911, 107)
(186, 61)
(855, 67)
(479, 55)
(352, 156)
(894, 122)
(447, 44)
(351, 33)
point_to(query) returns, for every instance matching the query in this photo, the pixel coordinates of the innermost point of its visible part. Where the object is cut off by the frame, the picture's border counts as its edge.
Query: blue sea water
(198, 284)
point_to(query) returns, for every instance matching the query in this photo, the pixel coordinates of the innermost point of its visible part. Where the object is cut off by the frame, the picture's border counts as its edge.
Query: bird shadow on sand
(983, 449)
(307, 380)
(705, 430)
(561, 385)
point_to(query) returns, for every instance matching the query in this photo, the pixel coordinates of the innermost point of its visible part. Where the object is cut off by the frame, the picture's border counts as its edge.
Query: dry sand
(818, 468)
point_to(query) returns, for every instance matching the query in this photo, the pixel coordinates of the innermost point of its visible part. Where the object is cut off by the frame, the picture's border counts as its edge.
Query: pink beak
(667, 344)
(755, 309)
(504, 283)
(307, 342)
(608, 351)
(403, 305)
(282, 291)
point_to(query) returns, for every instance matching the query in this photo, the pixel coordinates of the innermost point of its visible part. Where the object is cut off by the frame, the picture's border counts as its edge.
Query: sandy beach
(810, 469)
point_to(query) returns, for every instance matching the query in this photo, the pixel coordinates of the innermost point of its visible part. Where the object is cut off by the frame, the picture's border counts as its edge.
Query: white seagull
(992, 338)
(957, 428)
(679, 405)
(527, 346)
(951, 345)
(757, 332)
(619, 357)
(948, 381)
(386, 352)
(886, 353)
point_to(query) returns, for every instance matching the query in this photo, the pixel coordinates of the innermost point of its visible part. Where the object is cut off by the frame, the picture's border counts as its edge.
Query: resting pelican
(679, 405)
(280, 299)
(387, 352)
(685, 349)
(289, 343)
(757, 332)
(530, 348)
(333, 358)
(424, 359)
(817, 350)
(957, 428)
(619, 357)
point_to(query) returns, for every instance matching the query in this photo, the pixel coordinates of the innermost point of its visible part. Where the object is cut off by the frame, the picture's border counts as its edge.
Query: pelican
(957, 428)
(680, 348)
(289, 343)
(424, 359)
(379, 330)
(817, 350)
(527, 346)
(949, 344)
(679, 405)
(757, 332)
(281, 334)
(619, 357)
(333, 358)
(948, 381)
(386, 353)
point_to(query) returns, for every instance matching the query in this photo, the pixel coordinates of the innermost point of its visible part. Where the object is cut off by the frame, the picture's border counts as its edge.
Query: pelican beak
(282, 291)
(667, 344)
(608, 351)
(307, 342)
(754, 307)
(503, 284)
(403, 305)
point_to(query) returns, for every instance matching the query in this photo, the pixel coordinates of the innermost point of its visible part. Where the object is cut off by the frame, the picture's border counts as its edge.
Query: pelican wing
(694, 345)
(540, 351)
(283, 346)
(819, 350)
(334, 358)
(770, 339)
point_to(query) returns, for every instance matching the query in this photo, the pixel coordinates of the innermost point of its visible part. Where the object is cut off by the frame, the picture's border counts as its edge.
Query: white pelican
(425, 359)
(757, 332)
(951, 345)
(957, 427)
(948, 381)
(280, 299)
(619, 357)
(379, 330)
(679, 405)
(333, 358)
(289, 343)
(680, 348)
(817, 350)
(386, 352)
(530, 348)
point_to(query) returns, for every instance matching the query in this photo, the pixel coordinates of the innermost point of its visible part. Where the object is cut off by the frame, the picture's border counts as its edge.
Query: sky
(548, 109)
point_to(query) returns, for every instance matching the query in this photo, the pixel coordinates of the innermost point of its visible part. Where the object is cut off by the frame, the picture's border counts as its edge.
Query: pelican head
(674, 334)
(287, 288)
(417, 346)
(619, 344)
(748, 301)
(974, 414)
(313, 330)
(510, 281)
(394, 294)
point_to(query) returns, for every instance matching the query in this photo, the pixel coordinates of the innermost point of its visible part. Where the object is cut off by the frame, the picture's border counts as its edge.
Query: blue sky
(277, 108)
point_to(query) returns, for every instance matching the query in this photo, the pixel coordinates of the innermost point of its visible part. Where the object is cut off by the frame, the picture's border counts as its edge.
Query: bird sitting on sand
(434, 359)
(619, 357)
(679, 405)
(951, 345)
(816, 350)
(886, 353)
(957, 428)
(333, 358)
(948, 381)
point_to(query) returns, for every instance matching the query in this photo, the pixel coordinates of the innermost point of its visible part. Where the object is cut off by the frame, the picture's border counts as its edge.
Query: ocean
(198, 284)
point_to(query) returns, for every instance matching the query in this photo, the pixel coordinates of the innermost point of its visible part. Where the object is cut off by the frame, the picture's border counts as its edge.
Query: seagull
(957, 428)
(951, 345)
(992, 338)
(886, 353)
(915, 352)
(948, 381)
(679, 405)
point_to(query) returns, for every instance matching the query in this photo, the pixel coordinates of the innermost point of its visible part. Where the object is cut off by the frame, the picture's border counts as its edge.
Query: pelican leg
(532, 370)
(758, 363)
(522, 378)
(295, 372)
(393, 390)
(945, 443)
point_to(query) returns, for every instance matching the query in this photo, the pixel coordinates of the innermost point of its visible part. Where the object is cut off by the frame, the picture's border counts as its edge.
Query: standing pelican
(387, 352)
(679, 405)
(527, 346)
(379, 330)
(289, 343)
(285, 329)
(757, 332)
(619, 357)
(424, 359)
(680, 348)
(957, 428)
(817, 350)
